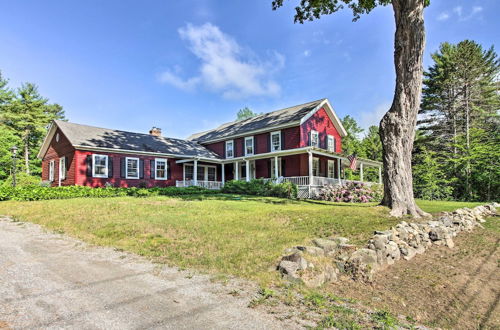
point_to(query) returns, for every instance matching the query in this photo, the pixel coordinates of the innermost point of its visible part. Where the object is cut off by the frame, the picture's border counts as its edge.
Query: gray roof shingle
(267, 120)
(95, 137)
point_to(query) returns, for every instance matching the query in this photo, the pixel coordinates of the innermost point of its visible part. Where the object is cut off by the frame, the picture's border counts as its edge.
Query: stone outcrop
(329, 257)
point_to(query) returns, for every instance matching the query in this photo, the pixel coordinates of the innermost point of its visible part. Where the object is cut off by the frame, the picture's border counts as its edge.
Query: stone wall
(330, 257)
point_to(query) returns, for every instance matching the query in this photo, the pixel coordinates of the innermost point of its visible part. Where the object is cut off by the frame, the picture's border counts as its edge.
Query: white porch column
(380, 175)
(276, 170)
(310, 168)
(195, 173)
(223, 174)
(247, 168)
(361, 172)
(236, 174)
(339, 163)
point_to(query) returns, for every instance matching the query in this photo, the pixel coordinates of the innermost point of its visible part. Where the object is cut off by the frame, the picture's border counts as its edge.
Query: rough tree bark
(397, 128)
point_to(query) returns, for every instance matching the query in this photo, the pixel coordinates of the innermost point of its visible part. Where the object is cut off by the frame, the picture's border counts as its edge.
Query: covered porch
(309, 168)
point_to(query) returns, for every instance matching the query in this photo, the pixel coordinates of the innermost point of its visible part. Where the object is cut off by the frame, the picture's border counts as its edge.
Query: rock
(438, 233)
(289, 269)
(298, 259)
(410, 253)
(326, 244)
(362, 264)
(449, 243)
(379, 241)
(393, 250)
(339, 240)
(420, 249)
(312, 250)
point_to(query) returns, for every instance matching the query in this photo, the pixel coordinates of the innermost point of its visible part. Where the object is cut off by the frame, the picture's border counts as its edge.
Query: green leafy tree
(7, 140)
(371, 145)
(430, 182)
(351, 143)
(397, 128)
(28, 116)
(245, 113)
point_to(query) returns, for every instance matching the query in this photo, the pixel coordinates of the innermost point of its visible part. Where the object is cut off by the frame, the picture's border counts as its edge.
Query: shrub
(260, 187)
(351, 192)
(22, 179)
(37, 192)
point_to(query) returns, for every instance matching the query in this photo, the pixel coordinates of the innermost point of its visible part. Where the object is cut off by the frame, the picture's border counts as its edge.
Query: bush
(22, 179)
(351, 192)
(37, 192)
(260, 187)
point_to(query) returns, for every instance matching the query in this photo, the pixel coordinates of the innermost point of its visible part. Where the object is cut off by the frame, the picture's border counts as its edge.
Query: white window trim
(94, 174)
(279, 139)
(313, 132)
(316, 161)
(232, 148)
(332, 147)
(205, 171)
(248, 138)
(52, 165)
(138, 168)
(332, 163)
(161, 160)
(62, 168)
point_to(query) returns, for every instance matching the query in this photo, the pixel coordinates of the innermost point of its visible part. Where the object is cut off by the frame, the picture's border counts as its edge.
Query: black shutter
(89, 165)
(309, 138)
(110, 167)
(169, 174)
(141, 168)
(269, 143)
(269, 174)
(66, 167)
(282, 138)
(152, 169)
(243, 143)
(122, 167)
(224, 151)
(253, 141)
(283, 166)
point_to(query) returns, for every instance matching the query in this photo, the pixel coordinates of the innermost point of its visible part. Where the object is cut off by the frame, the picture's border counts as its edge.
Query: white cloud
(369, 118)
(307, 53)
(477, 9)
(458, 10)
(443, 16)
(225, 66)
(463, 16)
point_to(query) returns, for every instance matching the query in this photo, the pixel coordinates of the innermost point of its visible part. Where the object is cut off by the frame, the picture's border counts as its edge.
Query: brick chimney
(155, 131)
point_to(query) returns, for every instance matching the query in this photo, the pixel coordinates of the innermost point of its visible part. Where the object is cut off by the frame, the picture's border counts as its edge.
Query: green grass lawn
(223, 234)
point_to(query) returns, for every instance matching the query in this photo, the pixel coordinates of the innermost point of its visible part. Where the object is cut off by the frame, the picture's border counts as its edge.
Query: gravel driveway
(52, 281)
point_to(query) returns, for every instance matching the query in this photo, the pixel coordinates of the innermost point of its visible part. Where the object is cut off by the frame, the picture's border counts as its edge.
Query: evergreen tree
(245, 113)
(351, 143)
(371, 146)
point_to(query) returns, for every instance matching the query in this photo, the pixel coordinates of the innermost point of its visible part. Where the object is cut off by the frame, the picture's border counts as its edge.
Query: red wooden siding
(321, 123)
(218, 148)
(176, 171)
(292, 137)
(57, 150)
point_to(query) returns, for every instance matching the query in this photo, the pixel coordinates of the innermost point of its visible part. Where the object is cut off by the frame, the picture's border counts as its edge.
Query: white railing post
(310, 172)
(223, 174)
(361, 172)
(338, 170)
(236, 174)
(195, 173)
(247, 168)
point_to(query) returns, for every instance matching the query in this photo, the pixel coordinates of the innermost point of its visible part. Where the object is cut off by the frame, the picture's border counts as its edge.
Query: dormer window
(249, 146)
(230, 149)
(314, 142)
(276, 141)
(331, 143)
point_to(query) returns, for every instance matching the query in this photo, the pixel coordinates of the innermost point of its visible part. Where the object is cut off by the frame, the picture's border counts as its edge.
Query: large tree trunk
(397, 128)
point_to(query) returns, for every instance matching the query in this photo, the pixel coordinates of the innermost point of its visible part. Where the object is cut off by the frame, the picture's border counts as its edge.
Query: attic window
(57, 137)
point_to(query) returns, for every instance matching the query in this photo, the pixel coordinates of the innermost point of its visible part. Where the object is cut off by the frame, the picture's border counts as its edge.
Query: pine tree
(351, 143)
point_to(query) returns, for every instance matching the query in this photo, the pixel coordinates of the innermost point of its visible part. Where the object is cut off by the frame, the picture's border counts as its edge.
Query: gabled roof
(83, 136)
(268, 121)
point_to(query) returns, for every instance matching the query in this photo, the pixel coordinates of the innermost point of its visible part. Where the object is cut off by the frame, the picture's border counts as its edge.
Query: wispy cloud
(460, 13)
(443, 16)
(369, 118)
(307, 53)
(225, 66)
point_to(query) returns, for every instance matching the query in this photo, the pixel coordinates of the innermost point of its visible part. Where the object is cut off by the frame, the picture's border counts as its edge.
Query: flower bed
(351, 192)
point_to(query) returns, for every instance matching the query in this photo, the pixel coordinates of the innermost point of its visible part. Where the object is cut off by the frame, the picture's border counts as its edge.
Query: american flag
(352, 158)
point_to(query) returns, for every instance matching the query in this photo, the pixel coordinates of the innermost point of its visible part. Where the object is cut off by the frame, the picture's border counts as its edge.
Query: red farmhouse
(301, 144)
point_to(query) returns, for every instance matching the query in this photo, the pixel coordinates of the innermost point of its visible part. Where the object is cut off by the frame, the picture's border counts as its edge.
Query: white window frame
(62, 168)
(279, 141)
(232, 148)
(314, 133)
(316, 162)
(94, 174)
(330, 143)
(272, 167)
(205, 171)
(331, 165)
(52, 165)
(138, 168)
(161, 160)
(249, 138)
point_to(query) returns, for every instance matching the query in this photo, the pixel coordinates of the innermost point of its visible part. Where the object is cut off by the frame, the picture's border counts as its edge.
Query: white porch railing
(304, 180)
(200, 183)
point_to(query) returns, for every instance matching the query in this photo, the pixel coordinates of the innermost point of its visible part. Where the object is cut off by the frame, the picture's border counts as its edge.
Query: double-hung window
(230, 149)
(160, 169)
(62, 168)
(276, 141)
(331, 143)
(314, 139)
(315, 166)
(132, 168)
(52, 164)
(331, 168)
(99, 166)
(249, 146)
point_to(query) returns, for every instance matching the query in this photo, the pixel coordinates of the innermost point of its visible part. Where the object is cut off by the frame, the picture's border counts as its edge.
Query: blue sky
(188, 66)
